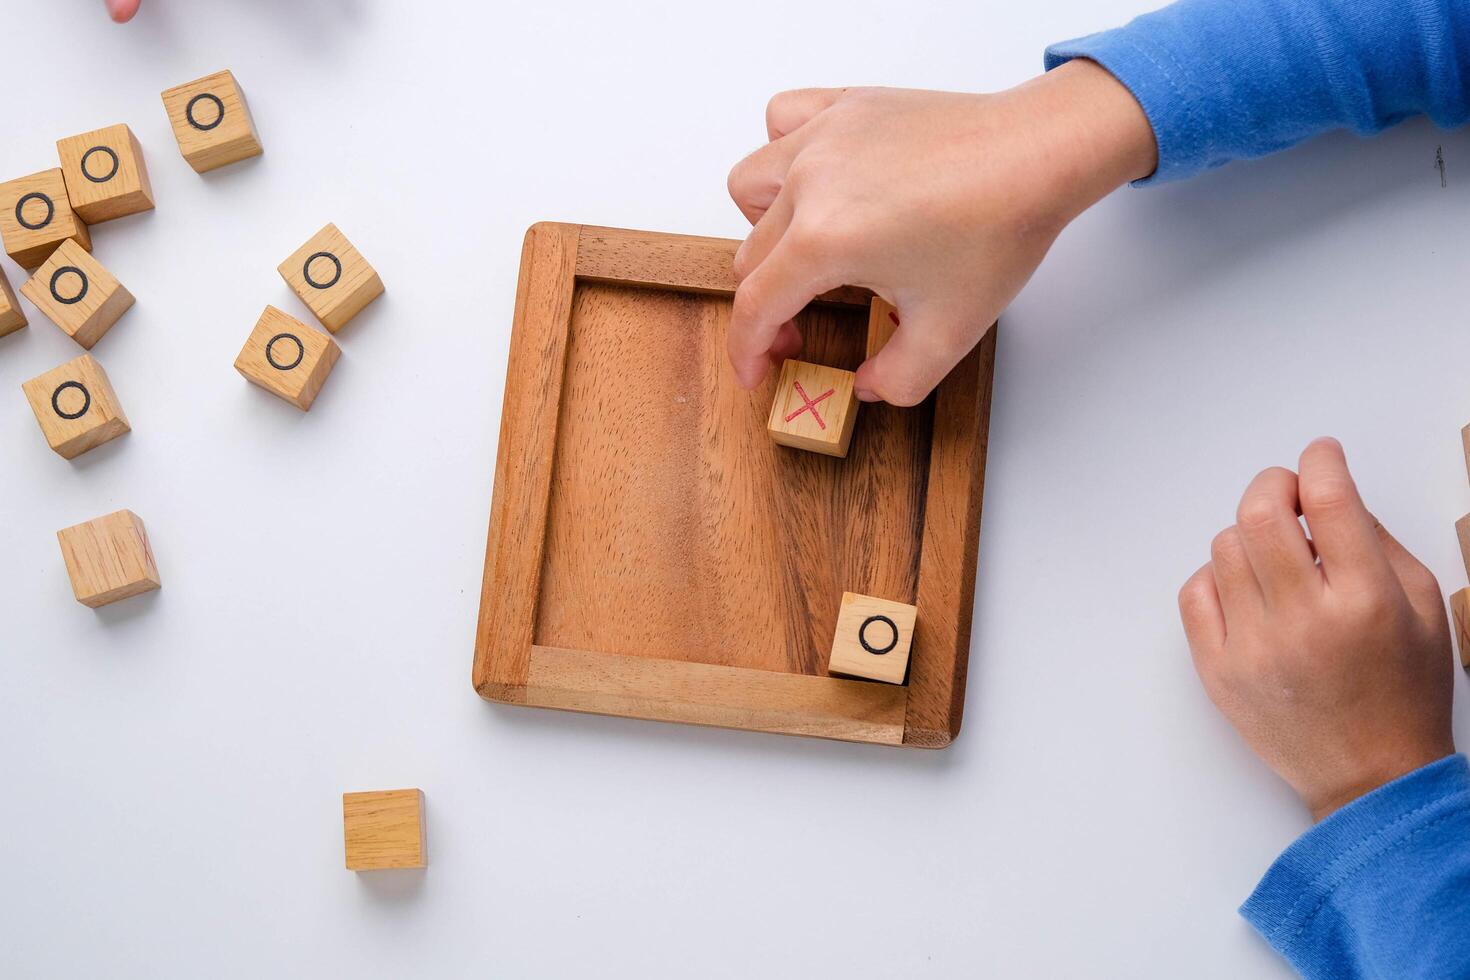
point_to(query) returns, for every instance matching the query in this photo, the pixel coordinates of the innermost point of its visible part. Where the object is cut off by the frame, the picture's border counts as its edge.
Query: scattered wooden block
(815, 408)
(882, 322)
(77, 294)
(36, 216)
(211, 121)
(331, 277)
(12, 318)
(76, 406)
(108, 559)
(287, 358)
(1462, 531)
(105, 174)
(384, 829)
(1460, 607)
(873, 638)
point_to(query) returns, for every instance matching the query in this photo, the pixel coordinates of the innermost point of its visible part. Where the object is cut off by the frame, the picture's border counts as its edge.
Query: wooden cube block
(77, 294)
(873, 638)
(1460, 607)
(882, 322)
(76, 406)
(12, 318)
(331, 277)
(384, 829)
(815, 408)
(36, 216)
(211, 121)
(105, 174)
(287, 358)
(108, 559)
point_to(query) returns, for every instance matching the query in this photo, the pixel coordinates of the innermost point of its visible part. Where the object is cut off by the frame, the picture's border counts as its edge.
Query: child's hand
(941, 203)
(1331, 657)
(122, 10)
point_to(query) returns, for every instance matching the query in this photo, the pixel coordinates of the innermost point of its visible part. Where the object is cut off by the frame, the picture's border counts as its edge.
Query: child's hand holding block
(36, 216)
(12, 317)
(331, 277)
(384, 829)
(287, 358)
(76, 407)
(78, 294)
(211, 122)
(815, 408)
(108, 559)
(873, 638)
(105, 174)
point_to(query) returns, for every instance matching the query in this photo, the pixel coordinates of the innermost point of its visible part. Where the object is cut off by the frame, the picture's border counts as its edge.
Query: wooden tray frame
(510, 668)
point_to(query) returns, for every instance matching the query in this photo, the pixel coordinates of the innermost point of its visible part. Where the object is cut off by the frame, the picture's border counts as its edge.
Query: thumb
(921, 352)
(122, 10)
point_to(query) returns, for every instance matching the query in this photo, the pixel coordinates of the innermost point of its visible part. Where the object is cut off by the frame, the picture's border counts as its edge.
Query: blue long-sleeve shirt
(1224, 80)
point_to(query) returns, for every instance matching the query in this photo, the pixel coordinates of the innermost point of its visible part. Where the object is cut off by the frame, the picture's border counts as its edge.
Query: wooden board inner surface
(678, 530)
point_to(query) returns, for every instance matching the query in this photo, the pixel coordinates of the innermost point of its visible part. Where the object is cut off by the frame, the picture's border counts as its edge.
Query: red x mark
(811, 404)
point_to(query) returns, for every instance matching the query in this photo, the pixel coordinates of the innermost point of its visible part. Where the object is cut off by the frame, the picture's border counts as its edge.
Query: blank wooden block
(76, 406)
(873, 638)
(108, 559)
(331, 277)
(105, 174)
(211, 121)
(77, 294)
(815, 408)
(287, 358)
(1460, 607)
(384, 829)
(882, 322)
(12, 318)
(36, 216)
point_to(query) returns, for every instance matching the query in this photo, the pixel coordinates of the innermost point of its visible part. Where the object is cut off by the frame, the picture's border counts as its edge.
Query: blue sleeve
(1381, 888)
(1223, 80)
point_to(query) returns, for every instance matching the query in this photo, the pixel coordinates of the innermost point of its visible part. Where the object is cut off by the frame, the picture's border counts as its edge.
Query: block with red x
(815, 408)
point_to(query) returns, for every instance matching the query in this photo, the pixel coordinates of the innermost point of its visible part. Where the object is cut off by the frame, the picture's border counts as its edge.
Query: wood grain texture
(882, 322)
(211, 121)
(108, 559)
(642, 513)
(36, 216)
(105, 174)
(12, 317)
(384, 829)
(814, 408)
(1462, 531)
(331, 277)
(78, 294)
(1460, 609)
(76, 407)
(287, 358)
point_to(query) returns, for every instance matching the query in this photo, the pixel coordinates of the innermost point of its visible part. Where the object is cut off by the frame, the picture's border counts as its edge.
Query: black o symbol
(204, 97)
(107, 150)
(863, 635)
(20, 210)
(336, 274)
(270, 351)
(56, 399)
(80, 293)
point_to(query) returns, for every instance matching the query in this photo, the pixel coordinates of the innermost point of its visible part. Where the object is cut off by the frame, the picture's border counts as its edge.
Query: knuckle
(1226, 545)
(1327, 494)
(1255, 513)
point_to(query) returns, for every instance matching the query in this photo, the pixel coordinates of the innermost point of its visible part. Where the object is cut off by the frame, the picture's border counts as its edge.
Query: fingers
(122, 10)
(1418, 581)
(789, 111)
(763, 237)
(1275, 542)
(1240, 592)
(787, 342)
(1342, 529)
(923, 349)
(1204, 620)
(755, 181)
(792, 275)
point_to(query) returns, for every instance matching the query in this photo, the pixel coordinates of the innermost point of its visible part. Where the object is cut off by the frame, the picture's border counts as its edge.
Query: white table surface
(172, 766)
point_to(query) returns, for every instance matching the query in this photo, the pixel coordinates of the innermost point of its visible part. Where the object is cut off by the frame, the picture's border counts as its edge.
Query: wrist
(1329, 800)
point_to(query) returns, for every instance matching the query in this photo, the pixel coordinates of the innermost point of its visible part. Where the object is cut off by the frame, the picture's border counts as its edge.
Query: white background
(171, 767)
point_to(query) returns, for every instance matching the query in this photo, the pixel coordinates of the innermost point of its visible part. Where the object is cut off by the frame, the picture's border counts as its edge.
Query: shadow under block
(105, 174)
(108, 559)
(331, 277)
(873, 638)
(384, 829)
(12, 317)
(882, 322)
(211, 122)
(1460, 608)
(76, 407)
(36, 216)
(815, 408)
(652, 555)
(287, 358)
(77, 294)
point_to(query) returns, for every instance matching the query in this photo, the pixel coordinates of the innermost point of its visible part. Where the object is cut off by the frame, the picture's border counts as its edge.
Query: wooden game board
(654, 554)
